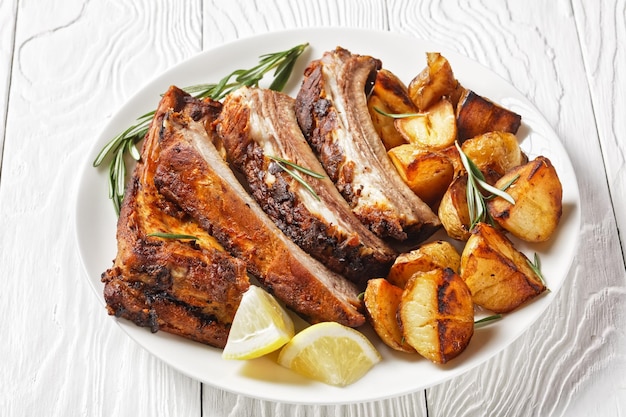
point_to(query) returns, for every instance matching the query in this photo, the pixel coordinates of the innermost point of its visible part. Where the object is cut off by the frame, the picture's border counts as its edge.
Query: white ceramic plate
(398, 373)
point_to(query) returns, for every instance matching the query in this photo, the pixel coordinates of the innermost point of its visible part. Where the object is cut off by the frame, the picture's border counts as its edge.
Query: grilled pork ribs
(226, 177)
(187, 287)
(331, 108)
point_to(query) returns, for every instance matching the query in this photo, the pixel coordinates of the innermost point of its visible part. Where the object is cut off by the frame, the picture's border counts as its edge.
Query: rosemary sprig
(487, 320)
(172, 236)
(283, 62)
(292, 169)
(126, 142)
(536, 267)
(477, 186)
(293, 165)
(397, 115)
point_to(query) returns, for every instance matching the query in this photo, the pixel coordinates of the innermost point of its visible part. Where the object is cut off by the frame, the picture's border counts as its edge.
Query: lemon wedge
(260, 326)
(331, 353)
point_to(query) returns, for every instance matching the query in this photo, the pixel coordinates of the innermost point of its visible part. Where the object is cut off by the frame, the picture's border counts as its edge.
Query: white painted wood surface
(7, 32)
(65, 70)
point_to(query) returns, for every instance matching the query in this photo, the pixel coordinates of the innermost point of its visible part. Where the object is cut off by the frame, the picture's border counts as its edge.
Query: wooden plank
(603, 56)
(8, 17)
(554, 368)
(74, 67)
(604, 60)
(228, 21)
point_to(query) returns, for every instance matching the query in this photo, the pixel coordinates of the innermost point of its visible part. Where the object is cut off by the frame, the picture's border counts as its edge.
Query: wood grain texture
(68, 69)
(228, 21)
(218, 403)
(604, 55)
(8, 17)
(73, 67)
(579, 340)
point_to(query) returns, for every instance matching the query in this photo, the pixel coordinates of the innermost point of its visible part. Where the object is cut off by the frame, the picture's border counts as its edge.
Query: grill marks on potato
(437, 314)
(538, 207)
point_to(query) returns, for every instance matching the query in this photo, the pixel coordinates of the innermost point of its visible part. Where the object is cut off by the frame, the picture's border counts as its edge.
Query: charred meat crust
(257, 124)
(189, 288)
(193, 174)
(158, 310)
(331, 108)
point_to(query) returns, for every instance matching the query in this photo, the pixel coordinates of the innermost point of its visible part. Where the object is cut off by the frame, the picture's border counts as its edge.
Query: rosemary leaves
(293, 170)
(175, 236)
(535, 265)
(477, 187)
(116, 149)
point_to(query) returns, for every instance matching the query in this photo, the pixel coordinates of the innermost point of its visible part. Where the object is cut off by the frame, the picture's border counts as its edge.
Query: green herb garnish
(536, 267)
(476, 189)
(293, 168)
(398, 115)
(175, 236)
(487, 320)
(125, 142)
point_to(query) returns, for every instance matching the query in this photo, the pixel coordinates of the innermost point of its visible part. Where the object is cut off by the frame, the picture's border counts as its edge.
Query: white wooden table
(65, 69)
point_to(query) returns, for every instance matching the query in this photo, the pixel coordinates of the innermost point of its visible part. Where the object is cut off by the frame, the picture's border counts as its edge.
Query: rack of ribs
(188, 287)
(192, 173)
(264, 143)
(331, 108)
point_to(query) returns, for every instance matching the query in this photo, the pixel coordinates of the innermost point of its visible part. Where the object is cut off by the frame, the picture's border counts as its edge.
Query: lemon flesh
(330, 353)
(260, 326)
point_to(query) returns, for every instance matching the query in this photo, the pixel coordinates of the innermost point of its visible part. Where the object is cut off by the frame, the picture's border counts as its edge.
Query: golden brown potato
(434, 82)
(389, 95)
(452, 153)
(538, 204)
(429, 256)
(453, 211)
(382, 300)
(476, 115)
(434, 129)
(498, 275)
(494, 153)
(427, 173)
(437, 314)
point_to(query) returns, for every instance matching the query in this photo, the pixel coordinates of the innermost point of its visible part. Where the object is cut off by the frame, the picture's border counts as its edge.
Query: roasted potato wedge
(389, 95)
(434, 82)
(382, 300)
(498, 275)
(452, 153)
(476, 115)
(538, 195)
(453, 211)
(434, 129)
(429, 256)
(494, 153)
(437, 314)
(427, 173)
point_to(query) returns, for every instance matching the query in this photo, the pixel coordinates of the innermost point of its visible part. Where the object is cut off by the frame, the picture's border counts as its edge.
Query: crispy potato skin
(381, 301)
(390, 95)
(437, 315)
(494, 153)
(427, 173)
(429, 256)
(538, 207)
(498, 275)
(453, 211)
(476, 115)
(433, 82)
